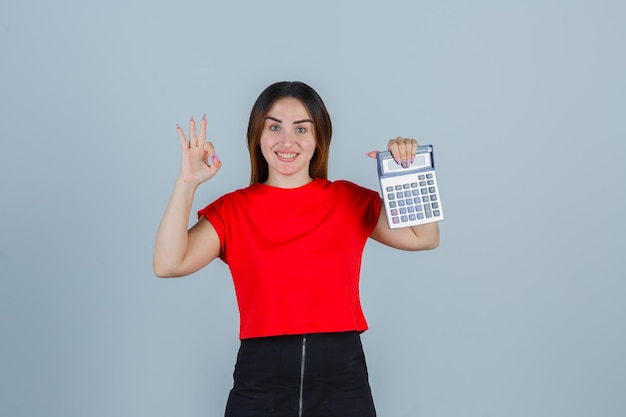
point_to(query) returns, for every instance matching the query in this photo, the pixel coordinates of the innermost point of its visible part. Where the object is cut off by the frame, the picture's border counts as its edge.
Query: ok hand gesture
(199, 161)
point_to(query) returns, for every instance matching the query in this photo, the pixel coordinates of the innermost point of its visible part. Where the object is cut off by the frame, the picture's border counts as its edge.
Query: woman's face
(288, 143)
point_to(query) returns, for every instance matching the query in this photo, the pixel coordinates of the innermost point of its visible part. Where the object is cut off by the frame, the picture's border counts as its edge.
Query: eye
(301, 130)
(274, 128)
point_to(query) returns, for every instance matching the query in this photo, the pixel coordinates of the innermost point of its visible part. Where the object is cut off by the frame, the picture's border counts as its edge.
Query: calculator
(410, 195)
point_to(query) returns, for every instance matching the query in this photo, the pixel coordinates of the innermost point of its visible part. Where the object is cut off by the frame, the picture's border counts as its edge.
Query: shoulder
(227, 203)
(344, 186)
(239, 194)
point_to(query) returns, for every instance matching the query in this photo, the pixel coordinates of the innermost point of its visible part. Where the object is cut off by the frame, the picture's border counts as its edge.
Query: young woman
(293, 241)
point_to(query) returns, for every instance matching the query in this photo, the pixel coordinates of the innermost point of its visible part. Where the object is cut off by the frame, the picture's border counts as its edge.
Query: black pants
(315, 375)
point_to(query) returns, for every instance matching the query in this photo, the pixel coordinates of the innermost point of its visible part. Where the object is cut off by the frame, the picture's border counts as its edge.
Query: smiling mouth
(286, 155)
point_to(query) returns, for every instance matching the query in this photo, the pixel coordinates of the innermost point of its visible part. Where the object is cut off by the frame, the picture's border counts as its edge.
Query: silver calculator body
(410, 195)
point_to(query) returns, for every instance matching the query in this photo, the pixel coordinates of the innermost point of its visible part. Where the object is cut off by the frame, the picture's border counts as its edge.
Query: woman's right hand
(199, 161)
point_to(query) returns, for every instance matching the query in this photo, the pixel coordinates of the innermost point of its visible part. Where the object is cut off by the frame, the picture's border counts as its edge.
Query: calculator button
(412, 200)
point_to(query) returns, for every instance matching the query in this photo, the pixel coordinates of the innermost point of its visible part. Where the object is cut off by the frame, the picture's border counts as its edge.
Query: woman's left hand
(402, 149)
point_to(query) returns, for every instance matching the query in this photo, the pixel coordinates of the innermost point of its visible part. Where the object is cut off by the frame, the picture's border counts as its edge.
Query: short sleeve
(217, 215)
(362, 200)
(372, 209)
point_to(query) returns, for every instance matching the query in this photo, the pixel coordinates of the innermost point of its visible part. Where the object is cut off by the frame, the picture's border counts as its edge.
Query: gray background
(519, 312)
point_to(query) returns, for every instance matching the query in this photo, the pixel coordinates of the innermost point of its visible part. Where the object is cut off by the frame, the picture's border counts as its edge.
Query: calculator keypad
(411, 199)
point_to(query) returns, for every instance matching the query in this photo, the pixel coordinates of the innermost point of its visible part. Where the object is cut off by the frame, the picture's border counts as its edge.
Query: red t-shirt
(295, 255)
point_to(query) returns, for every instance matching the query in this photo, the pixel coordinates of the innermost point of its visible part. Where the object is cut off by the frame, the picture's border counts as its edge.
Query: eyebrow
(295, 123)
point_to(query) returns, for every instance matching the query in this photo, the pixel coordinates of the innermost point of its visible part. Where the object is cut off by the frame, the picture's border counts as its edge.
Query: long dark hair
(322, 127)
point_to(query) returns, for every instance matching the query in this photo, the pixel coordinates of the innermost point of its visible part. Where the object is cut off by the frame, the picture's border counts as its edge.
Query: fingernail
(412, 159)
(404, 164)
(215, 158)
(398, 161)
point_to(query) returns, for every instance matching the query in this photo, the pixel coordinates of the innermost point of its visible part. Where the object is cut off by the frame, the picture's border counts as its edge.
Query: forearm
(427, 235)
(423, 237)
(172, 235)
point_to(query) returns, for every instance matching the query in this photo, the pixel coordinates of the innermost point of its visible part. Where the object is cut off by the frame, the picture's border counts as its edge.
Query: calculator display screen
(419, 162)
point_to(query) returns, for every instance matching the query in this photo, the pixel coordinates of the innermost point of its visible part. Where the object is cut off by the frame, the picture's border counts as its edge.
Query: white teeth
(286, 155)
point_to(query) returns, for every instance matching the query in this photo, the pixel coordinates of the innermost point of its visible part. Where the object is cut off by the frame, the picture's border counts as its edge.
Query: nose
(287, 138)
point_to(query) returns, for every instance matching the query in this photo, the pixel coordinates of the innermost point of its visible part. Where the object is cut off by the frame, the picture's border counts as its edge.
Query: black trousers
(314, 375)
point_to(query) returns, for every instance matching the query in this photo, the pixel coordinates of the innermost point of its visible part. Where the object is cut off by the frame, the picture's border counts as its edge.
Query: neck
(288, 182)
